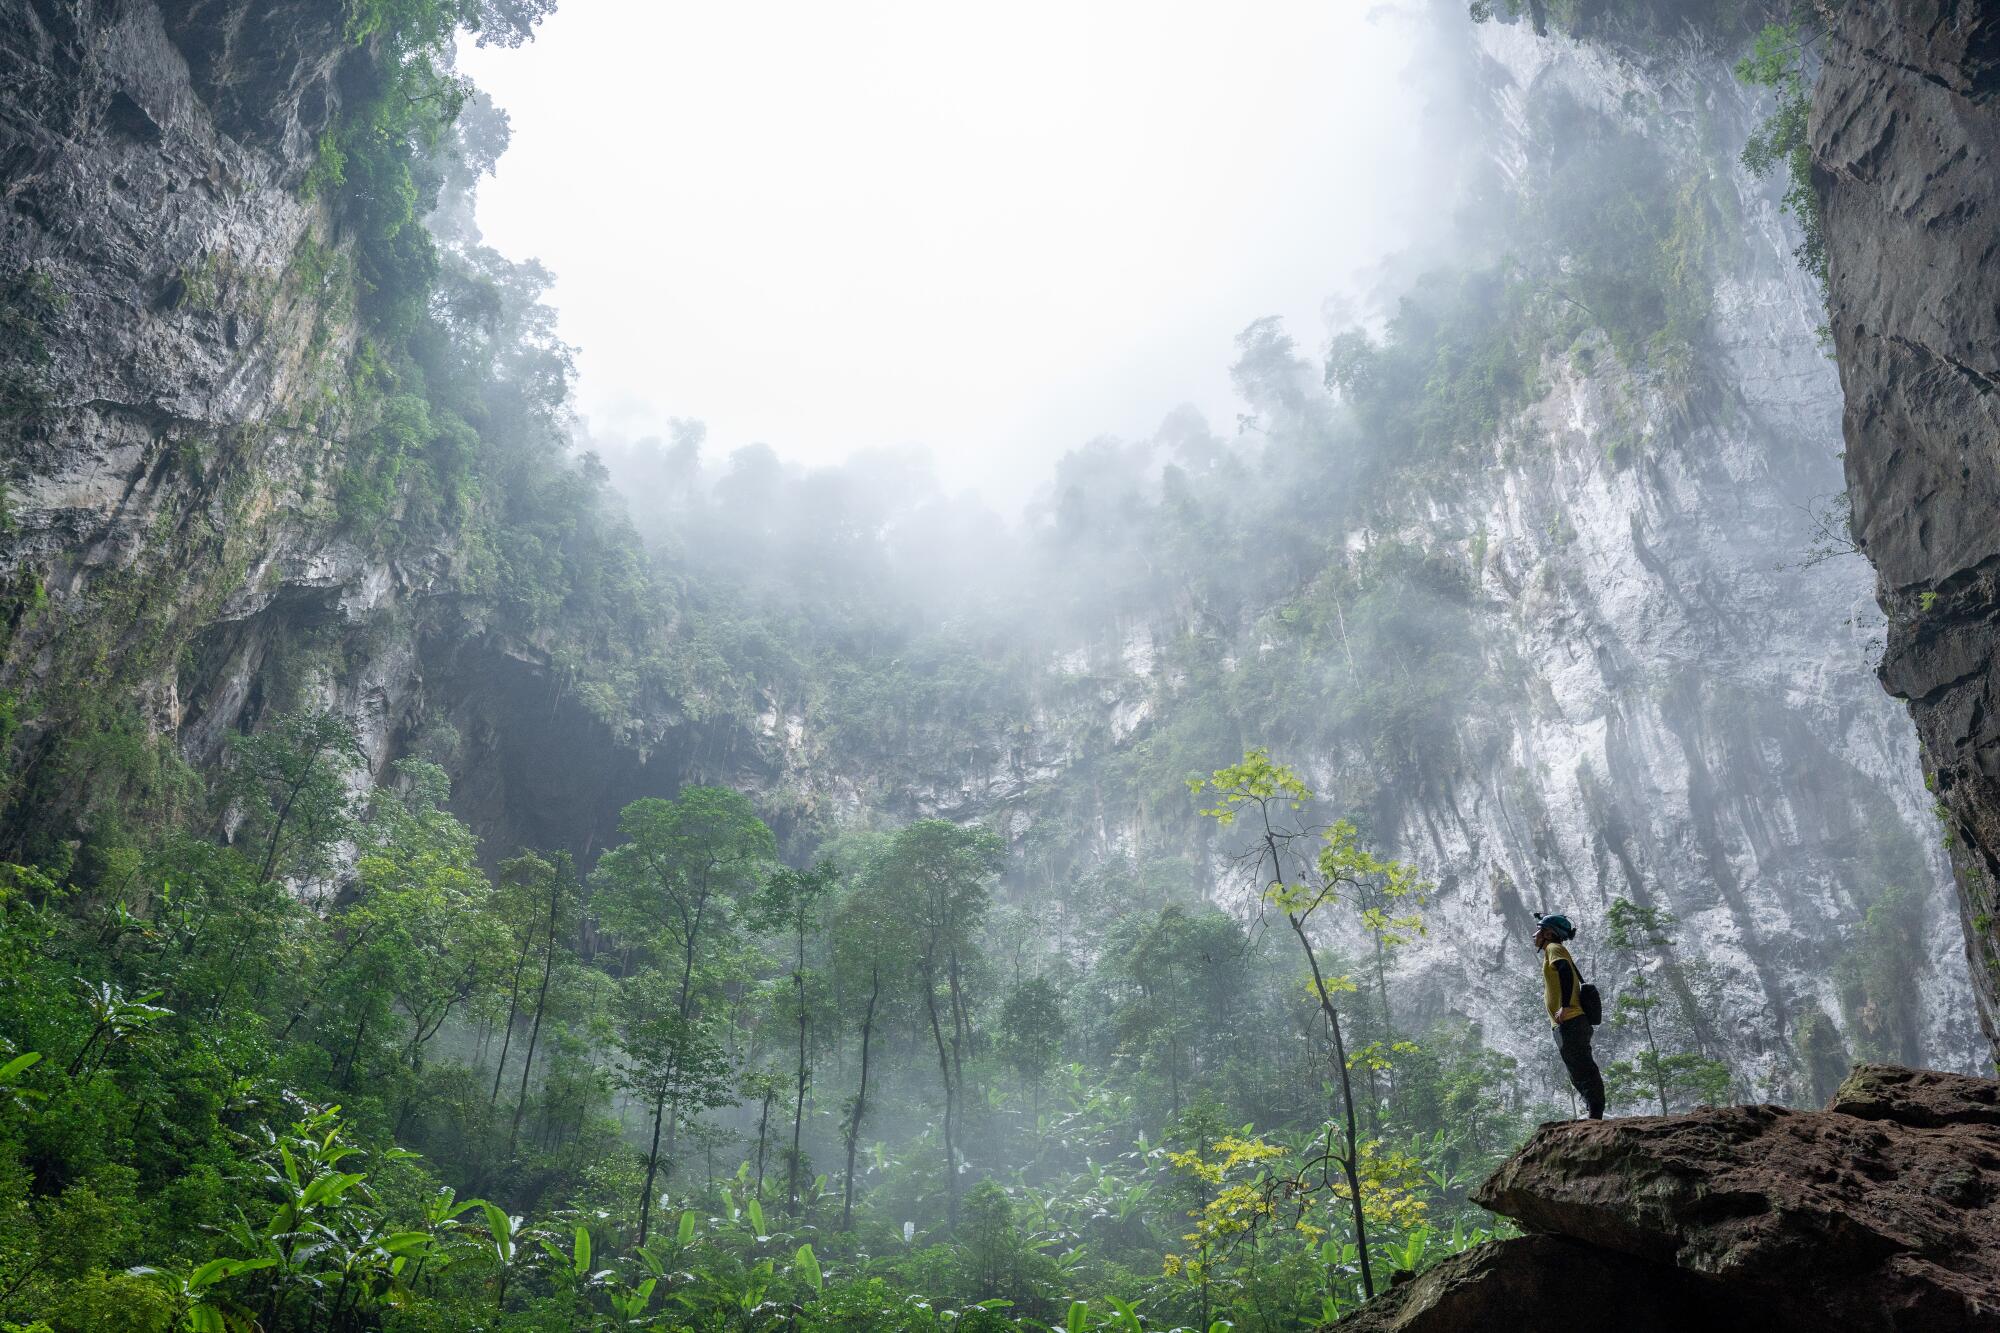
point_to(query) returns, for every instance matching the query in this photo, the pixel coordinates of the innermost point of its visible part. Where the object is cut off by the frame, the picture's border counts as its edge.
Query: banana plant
(440, 1222)
(1124, 1316)
(805, 1267)
(10, 1077)
(502, 1238)
(629, 1304)
(115, 1019)
(204, 1309)
(573, 1270)
(1408, 1253)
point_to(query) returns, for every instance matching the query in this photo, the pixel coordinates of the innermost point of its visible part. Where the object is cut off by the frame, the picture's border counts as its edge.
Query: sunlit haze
(834, 227)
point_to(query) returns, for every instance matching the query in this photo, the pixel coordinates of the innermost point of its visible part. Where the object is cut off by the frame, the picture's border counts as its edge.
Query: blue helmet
(1560, 925)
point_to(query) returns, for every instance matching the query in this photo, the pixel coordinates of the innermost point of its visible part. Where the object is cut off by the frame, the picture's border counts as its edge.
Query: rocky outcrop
(169, 354)
(1881, 1212)
(177, 322)
(1534, 1283)
(1906, 149)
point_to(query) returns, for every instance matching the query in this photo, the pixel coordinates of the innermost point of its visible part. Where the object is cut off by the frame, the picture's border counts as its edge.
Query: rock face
(174, 360)
(160, 274)
(1881, 1212)
(1906, 149)
(1535, 1283)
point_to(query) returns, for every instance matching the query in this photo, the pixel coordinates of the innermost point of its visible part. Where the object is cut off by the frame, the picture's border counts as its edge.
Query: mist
(835, 229)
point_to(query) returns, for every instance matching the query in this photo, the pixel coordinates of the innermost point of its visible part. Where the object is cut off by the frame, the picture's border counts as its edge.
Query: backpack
(1592, 1002)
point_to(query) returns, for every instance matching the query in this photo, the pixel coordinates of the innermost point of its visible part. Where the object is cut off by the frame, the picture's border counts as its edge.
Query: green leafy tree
(676, 888)
(425, 907)
(1778, 61)
(940, 878)
(673, 1063)
(289, 784)
(869, 941)
(553, 887)
(1670, 1076)
(1032, 1028)
(792, 900)
(1270, 797)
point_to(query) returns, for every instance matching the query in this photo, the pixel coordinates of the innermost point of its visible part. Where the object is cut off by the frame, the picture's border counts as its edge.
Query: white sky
(995, 231)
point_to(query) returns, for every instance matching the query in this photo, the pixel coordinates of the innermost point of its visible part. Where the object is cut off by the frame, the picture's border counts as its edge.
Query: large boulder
(1880, 1213)
(1551, 1282)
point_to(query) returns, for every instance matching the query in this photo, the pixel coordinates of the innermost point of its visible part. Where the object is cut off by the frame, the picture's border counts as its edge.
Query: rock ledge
(1881, 1212)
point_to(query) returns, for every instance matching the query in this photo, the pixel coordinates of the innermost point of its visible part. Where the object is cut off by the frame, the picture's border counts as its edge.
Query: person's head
(1553, 930)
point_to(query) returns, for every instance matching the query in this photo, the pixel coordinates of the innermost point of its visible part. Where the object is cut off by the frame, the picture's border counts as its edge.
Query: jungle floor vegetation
(698, 1089)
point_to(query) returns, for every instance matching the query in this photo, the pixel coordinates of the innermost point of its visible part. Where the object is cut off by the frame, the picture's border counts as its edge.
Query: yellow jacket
(1564, 996)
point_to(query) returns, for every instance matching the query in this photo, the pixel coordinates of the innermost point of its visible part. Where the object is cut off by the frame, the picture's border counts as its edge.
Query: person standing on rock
(1564, 987)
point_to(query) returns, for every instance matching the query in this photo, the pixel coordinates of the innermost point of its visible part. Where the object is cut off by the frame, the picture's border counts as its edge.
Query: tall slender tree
(941, 876)
(553, 884)
(676, 888)
(792, 901)
(1270, 799)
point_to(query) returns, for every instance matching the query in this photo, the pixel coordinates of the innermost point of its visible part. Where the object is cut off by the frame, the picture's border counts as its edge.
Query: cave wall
(1906, 151)
(163, 452)
(173, 415)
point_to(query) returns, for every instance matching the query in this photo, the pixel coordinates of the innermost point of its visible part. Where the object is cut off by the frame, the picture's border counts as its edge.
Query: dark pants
(1573, 1037)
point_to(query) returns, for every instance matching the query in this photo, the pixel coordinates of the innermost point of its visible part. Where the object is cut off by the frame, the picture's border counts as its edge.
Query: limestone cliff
(1906, 146)
(173, 371)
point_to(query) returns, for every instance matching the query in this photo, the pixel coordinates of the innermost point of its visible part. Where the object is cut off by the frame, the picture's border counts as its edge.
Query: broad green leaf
(684, 1233)
(756, 1211)
(1079, 1317)
(807, 1267)
(215, 1270)
(328, 1188)
(580, 1256)
(502, 1228)
(19, 1064)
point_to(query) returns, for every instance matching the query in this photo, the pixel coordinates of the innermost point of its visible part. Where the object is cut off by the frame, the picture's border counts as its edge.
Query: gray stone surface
(1906, 147)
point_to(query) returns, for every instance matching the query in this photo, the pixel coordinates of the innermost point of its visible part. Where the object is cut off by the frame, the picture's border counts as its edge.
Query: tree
(1181, 983)
(868, 939)
(791, 900)
(553, 884)
(674, 1064)
(289, 783)
(424, 905)
(1272, 796)
(1632, 928)
(1032, 1028)
(686, 869)
(940, 876)
(676, 888)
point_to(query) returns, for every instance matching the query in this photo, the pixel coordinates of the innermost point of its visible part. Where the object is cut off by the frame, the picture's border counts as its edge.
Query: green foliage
(289, 784)
(1777, 61)
(1457, 357)
(1032, 1029)
(30, 301)
(1875, 979)
(1061, 1100)
(1634, 926)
